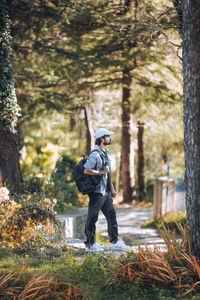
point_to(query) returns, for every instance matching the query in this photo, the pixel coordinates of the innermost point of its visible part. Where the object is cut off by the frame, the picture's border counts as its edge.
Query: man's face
(107, 140)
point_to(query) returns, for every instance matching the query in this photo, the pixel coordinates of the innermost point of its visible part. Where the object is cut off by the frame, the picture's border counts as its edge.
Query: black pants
(99, 202)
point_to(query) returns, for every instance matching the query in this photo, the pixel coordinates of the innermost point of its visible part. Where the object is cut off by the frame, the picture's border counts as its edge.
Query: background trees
(81, 65)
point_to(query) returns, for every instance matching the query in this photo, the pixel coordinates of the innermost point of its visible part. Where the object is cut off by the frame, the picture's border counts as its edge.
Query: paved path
(129, 221)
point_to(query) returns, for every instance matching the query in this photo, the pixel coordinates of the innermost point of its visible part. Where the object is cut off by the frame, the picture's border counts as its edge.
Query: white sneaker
(95, 248)
(120, 245)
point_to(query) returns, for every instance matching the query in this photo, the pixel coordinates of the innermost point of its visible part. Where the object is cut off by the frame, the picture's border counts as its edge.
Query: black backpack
(86, 183)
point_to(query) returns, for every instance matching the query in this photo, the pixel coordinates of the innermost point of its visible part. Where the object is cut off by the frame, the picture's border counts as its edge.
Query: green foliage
(38, 160)
(163, 138)
(39, 246)
(35, 183)
(64, 188)
(68, 51)
(9, 109)
(74, 46)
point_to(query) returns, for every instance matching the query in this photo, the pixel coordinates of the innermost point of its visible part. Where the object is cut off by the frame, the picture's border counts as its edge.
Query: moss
(9, 109)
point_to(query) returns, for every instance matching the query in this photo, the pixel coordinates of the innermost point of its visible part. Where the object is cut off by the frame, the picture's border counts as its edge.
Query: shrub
(24, 217)
(35, 183)
(64, 189)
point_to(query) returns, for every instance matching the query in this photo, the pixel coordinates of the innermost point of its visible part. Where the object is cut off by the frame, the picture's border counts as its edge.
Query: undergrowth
(164, 274)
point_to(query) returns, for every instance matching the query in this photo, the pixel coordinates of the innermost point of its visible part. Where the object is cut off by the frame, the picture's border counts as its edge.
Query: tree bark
(140, 167)
(89, 129)
(20, 136)
(191, 80)
(10, 174)
(128, 186)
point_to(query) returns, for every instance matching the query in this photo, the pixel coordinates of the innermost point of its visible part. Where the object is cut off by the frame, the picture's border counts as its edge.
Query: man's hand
(105, 170)
(113, 193)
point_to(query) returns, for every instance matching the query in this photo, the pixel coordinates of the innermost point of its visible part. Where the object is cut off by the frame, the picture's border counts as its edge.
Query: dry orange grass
(176, 267)
(38, 287)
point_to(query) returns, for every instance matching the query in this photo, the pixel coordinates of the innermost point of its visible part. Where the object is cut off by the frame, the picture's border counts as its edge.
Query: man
(99, 163)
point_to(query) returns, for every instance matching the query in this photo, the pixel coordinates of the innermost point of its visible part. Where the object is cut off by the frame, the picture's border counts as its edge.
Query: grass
(170, 220)
(145, 274)
(102, 239)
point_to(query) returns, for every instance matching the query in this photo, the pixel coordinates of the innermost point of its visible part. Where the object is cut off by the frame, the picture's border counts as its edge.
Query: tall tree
(127, 174)
(128, 181)
(89, 129)
(9, 110)
(140, 167)
(191, 79)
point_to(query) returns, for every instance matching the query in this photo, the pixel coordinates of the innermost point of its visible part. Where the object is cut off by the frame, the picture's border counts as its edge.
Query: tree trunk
(126, 139)
(89, 129)
(10, 174)
(20, 136)
(191, 80)
(140, 168)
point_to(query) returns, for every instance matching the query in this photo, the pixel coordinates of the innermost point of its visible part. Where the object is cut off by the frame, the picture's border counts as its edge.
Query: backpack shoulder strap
(101, 155)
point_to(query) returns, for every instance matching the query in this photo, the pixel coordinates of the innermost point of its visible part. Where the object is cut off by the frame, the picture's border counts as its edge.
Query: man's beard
(106, 144)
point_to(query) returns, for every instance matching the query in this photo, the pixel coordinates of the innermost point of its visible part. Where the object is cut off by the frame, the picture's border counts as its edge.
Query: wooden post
(160, 186)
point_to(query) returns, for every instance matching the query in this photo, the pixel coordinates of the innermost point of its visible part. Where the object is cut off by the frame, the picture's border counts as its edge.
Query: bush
(60, 186)
(24, 217)
(64, 188)
(35, 183)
